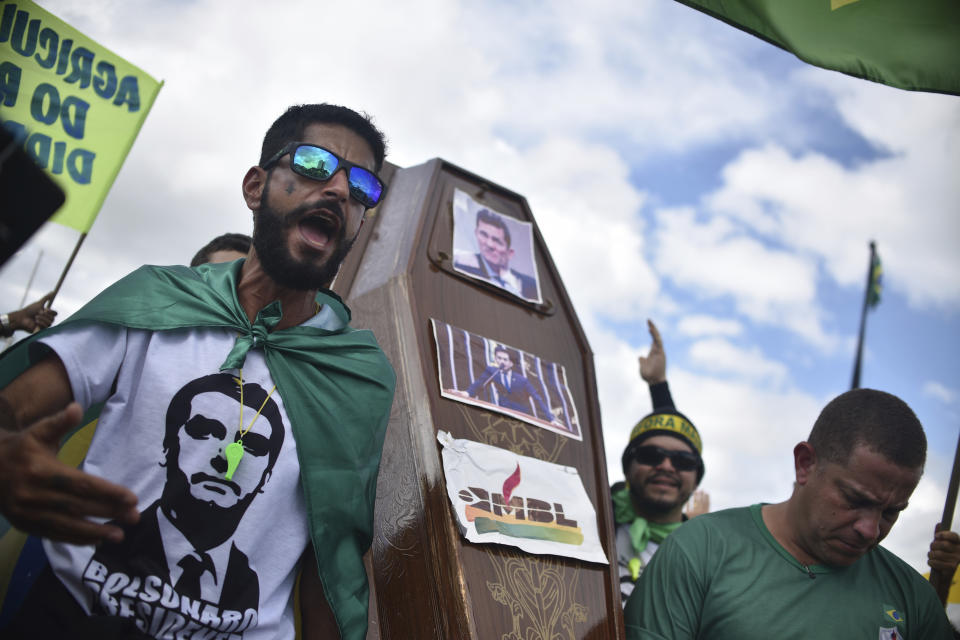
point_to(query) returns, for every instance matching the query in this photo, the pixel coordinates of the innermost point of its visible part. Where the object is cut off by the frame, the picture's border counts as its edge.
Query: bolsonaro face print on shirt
(178, 570)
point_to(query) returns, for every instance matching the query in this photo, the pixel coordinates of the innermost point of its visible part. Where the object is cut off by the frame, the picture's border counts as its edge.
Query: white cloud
(816, 205)
(715, 259)
(796, 201)
(701, 325)
(718, 355)
(587, 212)
(939, 391)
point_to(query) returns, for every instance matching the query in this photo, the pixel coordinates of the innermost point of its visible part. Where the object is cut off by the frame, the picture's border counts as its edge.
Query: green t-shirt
(723, 576)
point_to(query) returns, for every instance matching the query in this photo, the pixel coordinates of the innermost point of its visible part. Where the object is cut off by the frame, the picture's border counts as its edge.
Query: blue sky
(679, 170)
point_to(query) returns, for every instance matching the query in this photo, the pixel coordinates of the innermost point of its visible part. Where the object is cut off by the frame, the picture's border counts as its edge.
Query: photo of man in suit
(184, 539)
(507, 388)
(484, 372)
(491, 261)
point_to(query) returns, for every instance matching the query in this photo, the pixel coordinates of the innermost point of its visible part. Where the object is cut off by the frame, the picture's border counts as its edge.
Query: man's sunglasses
(652, 455)
(318, 163)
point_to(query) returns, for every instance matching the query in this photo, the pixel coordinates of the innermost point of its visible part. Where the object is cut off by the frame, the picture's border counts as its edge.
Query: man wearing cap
(662, 467)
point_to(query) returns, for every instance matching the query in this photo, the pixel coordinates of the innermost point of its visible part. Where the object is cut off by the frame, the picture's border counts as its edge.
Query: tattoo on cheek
(289, 188)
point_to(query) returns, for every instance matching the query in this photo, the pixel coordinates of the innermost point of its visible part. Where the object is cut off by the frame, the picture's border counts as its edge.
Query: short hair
(502, 349)
(290, 127)
(879, 420)
(488, 217)
(227, 242)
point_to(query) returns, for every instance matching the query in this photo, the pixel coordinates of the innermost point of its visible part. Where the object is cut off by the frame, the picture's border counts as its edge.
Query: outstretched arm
(39, 494)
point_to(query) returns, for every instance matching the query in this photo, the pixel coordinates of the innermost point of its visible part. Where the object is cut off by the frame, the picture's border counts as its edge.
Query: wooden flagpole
(940, 579)
(33, 273)
(855, 384)
(63, 275)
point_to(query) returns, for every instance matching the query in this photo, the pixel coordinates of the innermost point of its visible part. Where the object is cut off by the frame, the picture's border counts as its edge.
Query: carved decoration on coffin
(513, 435)
(540, 593)
(395, 535)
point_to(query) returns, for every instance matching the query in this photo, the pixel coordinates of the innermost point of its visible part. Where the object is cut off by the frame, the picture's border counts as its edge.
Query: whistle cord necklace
(234, 451)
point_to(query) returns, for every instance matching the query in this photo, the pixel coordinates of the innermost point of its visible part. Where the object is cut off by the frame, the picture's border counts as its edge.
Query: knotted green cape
(337, 387)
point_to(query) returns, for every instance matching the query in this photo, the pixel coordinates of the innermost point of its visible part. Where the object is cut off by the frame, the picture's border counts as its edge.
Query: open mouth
(319, 228)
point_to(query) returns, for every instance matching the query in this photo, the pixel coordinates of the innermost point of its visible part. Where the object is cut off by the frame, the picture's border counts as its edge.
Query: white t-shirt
(624, 554)
(199, 563)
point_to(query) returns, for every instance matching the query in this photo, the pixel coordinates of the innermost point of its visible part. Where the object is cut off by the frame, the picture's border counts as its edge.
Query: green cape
(337, 387)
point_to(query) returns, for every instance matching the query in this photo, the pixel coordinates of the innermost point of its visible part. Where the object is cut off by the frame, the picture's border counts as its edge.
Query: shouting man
(296, 410)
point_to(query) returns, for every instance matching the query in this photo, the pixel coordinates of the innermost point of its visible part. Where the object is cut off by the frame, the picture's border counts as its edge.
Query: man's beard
(653, 506)
(204, 523)
(270, 241)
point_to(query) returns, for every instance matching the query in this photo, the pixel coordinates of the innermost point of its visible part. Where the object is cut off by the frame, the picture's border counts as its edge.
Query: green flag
(74, 105)
(875, 287)
(909, 45)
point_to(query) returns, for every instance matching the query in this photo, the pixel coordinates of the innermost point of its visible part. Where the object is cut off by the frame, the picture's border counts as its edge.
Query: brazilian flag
(906, 44)
(875, 288)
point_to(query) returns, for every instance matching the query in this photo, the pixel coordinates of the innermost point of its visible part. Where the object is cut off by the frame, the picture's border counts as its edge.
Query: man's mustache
(669, 477)
(200, 476)
(331, 205)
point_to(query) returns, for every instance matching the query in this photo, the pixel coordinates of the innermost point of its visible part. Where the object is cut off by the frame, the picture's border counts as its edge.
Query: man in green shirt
(809, 567)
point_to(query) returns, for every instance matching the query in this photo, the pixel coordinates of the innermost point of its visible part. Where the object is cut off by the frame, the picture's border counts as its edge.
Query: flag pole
(941, 579)
(63, 275)
(33, 272)
(855, 384)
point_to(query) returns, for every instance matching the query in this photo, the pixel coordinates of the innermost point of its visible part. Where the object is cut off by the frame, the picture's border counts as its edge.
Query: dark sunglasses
(317, 163)
(653, 455)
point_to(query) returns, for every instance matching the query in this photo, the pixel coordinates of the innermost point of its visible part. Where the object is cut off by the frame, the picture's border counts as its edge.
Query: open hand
(42, 496)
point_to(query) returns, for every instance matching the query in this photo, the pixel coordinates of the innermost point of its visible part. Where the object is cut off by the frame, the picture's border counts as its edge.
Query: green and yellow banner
(907, 44)
(74, 105)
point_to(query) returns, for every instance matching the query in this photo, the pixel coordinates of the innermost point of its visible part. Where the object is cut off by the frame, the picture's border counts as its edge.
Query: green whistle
(234, 453)
(634, 564)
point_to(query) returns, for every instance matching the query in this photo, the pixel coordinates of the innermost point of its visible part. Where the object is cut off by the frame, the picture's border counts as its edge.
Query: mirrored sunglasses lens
(365, 187)
(314, 162)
